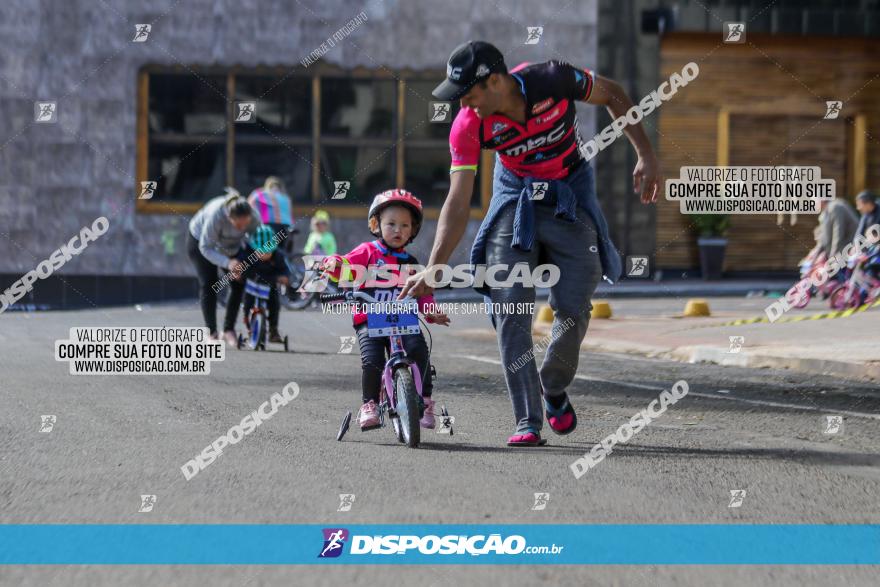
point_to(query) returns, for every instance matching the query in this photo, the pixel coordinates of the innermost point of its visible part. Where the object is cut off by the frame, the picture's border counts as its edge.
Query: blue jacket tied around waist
(577, 189)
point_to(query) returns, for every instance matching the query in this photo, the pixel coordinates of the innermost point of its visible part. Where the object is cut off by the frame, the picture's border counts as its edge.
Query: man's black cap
(468, 64)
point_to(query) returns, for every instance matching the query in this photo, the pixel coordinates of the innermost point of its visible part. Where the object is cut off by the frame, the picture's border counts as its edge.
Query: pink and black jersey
(546, 146)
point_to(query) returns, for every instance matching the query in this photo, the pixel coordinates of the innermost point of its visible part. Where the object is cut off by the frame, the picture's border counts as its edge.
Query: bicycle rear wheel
(407, 406)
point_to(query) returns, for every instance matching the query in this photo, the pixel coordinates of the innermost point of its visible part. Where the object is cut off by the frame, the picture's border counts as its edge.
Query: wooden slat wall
(775, 90)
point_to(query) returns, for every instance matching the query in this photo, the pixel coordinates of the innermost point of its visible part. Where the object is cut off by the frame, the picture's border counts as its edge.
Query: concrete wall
(57, 178)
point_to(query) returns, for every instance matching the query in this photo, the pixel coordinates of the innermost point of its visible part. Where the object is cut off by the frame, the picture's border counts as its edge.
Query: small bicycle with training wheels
(256, 319)
(401, 393)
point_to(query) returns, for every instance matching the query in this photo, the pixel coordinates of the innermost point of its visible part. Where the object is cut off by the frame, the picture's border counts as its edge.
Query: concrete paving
(117, 437)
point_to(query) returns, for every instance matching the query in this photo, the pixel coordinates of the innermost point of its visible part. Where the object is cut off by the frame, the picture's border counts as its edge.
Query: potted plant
(711, 241)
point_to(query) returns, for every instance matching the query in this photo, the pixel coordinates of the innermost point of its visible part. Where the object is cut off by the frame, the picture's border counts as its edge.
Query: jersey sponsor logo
(542, 106)
(497, 127)
(539, 141)
(549, 117)
(501, 139)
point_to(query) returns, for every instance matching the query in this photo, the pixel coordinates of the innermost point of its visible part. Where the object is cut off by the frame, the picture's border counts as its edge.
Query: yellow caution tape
(821, 316)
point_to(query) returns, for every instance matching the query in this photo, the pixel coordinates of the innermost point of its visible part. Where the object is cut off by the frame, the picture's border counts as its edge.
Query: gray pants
(572, 247)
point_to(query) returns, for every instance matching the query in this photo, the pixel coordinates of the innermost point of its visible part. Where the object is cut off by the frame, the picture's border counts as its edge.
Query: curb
(721, 356)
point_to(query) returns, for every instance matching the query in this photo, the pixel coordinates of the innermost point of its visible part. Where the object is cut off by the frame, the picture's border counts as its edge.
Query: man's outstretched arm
(646, 175)
(453, 222)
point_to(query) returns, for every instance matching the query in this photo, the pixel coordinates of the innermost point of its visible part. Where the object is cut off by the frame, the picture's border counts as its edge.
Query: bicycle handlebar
(348, 296)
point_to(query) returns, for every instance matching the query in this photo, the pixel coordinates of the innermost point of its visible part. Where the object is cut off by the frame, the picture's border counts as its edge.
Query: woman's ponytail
(235, 205)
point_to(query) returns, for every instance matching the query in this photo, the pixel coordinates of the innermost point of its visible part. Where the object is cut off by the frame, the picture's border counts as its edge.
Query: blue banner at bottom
(489, 544)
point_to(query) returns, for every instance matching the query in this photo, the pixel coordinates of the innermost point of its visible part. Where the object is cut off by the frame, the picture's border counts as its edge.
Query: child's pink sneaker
(527, 438)
(427, 420)
(368, 416)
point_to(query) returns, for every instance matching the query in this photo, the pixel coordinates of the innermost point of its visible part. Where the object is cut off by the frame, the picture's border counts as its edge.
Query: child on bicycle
(395, 217)
(321, 241)
(265, 264)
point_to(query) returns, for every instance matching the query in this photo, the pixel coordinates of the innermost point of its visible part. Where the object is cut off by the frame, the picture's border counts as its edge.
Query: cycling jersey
(546, 147)
(374, 254)
(274, 207)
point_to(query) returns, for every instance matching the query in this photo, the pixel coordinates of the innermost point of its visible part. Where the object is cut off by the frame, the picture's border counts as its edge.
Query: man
(837, 226)
(866, 204)
(528, 116)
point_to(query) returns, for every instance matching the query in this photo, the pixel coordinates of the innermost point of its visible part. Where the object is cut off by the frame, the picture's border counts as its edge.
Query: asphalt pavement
(116, 438)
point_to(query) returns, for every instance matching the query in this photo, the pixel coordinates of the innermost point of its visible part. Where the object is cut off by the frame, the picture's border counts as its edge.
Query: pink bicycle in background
(863, 285)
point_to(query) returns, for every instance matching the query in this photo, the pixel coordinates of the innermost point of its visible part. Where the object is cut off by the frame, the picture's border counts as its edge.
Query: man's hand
(283, 280)
(646, 179)
(416, 286)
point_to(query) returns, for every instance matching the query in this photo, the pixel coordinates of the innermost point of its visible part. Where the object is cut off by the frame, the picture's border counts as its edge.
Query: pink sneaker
(427, 420)
(527, 438)
(368, 416)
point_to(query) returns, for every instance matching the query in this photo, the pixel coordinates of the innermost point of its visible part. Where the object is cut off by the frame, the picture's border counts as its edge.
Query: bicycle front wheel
(407, 406)
(257, 331)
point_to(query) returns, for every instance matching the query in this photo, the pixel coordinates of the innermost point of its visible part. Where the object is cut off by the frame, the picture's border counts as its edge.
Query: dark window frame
(314, 75)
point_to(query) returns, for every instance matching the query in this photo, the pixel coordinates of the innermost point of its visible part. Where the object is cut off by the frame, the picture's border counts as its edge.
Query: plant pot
(711, 256)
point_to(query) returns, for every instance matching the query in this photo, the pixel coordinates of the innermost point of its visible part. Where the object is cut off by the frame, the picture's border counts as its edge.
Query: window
(371, 130)
(187, 136)
(279, 141)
